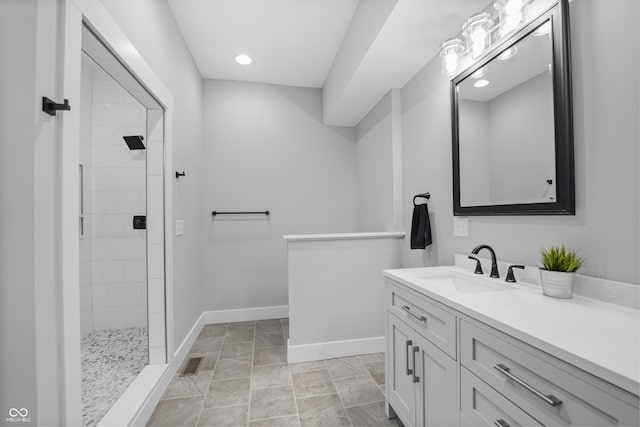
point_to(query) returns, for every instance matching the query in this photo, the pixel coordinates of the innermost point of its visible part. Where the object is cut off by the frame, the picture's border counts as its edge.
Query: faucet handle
(478, 265)
(510, 276)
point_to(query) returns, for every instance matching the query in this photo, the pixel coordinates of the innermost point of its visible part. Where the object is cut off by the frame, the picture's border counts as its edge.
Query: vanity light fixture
(477, 33)
(243, 59)
(451, 53)
(481, 83)
(482, 30)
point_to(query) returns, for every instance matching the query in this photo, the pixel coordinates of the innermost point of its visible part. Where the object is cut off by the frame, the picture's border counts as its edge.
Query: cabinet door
(437, 386)
(401, 390)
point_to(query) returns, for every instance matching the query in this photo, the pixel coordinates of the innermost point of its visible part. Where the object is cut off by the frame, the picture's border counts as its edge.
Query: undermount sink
(461, 284)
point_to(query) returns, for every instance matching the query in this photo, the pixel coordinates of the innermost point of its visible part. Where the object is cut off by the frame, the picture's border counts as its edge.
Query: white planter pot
(557, 284)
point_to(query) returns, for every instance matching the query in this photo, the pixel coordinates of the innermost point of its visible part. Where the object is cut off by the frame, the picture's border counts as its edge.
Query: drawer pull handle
(409, 343)
(415, 377)
(501, 423)
(411, 313)
(548, 399)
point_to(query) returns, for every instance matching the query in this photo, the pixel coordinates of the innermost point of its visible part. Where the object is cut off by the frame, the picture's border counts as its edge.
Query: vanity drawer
(484, 406)
(432, 322)
(551, 391)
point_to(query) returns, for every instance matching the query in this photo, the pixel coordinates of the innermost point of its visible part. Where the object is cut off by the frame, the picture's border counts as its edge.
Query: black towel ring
(423, 195)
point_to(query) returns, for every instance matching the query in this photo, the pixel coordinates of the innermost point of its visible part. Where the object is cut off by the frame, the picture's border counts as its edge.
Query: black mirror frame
(563, 121)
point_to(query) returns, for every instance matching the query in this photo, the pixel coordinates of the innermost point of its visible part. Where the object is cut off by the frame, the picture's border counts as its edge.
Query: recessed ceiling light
(243, 59)
(481, 83)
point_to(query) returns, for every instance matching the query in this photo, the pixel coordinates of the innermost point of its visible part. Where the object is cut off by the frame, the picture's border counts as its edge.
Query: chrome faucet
(494, 263)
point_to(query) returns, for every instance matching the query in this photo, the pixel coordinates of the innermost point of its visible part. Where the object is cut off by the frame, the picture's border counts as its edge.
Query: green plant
(558, 258)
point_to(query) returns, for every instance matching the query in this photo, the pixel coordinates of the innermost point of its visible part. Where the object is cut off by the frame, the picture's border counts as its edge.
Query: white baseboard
(181, 353)
(244, 314)
(145, 412)
(333, 349)
(137, 403)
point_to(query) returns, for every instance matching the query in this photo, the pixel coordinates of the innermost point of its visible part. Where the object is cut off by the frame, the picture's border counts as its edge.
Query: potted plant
(559, 266)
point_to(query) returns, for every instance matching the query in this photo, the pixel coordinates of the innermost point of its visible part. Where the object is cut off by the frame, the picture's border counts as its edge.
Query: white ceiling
(300, 43)
(291, 42)
(410, 37)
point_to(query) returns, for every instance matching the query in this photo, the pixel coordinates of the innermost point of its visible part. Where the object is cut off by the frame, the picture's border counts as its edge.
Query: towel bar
(214, 213)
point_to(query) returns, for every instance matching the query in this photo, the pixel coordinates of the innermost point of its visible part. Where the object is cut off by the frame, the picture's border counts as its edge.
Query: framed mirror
(512, 125)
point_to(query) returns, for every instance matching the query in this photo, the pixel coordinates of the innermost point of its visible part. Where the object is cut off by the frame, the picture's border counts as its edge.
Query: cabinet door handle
(415, 377)
(548, 399)
(411, 313)
(501, 423)
(409, 343)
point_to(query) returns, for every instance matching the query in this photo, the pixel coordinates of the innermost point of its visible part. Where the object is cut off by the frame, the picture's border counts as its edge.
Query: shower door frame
(73, 14)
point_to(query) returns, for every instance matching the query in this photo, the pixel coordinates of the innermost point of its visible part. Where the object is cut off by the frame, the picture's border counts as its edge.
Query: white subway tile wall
(118, 192)
(118, 184)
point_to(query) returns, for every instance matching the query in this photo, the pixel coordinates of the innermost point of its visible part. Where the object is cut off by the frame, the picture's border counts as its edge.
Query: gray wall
(17, 294)
(152, 29)
(29, 376)
(507, 146)
(522, 149)
(265, 147)
(606, 109)
(374, 169)
(475, 152)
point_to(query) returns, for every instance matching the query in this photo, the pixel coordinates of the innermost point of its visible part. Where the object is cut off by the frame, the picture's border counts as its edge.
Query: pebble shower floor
(111, 360)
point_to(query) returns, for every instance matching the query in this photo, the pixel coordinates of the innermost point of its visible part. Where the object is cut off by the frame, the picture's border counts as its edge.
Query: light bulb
(513, 7)
(476, 31)
(511, 14)
(512, 21)
(481, 83)
(478, 42)
(243, 59)
(450, 56)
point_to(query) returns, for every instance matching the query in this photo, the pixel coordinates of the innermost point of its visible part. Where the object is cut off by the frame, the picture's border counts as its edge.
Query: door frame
(72, 15)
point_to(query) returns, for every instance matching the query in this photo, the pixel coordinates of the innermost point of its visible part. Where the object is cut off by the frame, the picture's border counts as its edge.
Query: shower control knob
(140, 222)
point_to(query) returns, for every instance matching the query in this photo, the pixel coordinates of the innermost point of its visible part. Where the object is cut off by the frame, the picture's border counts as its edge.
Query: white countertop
(344, 236)
(595, 336)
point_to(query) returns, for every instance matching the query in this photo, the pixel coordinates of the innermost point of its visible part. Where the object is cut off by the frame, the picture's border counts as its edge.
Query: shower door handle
(140, 222)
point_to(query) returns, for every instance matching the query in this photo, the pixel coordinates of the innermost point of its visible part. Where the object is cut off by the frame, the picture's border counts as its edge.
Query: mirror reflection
(506, 126)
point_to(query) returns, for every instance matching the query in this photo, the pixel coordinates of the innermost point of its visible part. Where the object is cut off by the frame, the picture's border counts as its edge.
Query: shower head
(134, 142)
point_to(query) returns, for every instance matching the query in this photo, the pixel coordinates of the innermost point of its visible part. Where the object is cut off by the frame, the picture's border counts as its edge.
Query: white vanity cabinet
(548, 389)
(444, 367)
(422, 380)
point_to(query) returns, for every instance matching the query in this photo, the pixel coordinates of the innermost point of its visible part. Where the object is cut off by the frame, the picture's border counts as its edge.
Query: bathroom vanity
(463, 349)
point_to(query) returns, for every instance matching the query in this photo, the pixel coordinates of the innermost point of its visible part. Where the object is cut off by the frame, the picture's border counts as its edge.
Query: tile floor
(111, 360)
(244, 380)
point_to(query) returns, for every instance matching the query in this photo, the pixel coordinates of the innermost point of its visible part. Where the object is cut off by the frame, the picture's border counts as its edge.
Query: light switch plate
(179, 227)
(460, 226)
